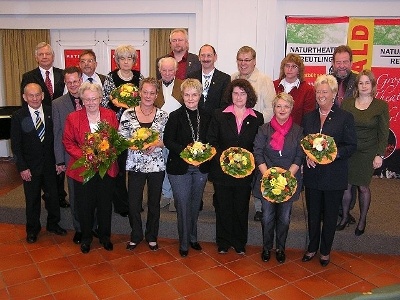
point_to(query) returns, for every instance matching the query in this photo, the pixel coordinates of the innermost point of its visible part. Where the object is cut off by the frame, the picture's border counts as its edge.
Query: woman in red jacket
(96, 194)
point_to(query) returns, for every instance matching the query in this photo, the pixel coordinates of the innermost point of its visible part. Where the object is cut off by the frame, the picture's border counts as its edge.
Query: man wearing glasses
(264, 88)
(88, 65)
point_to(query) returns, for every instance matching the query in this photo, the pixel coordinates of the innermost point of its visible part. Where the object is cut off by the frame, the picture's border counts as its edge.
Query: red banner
(71, 57)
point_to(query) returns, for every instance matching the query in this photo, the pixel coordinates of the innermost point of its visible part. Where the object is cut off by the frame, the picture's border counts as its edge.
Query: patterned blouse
(137, 160)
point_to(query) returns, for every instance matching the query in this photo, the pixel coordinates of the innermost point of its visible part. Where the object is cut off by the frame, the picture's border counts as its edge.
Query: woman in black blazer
(325, 184)
(234, 126)
(186, 125)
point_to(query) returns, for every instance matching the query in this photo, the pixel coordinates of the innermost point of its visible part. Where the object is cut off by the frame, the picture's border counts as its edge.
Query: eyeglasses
(247, 60)
(284, 107)
(86, 61)
(288, 66)
(90, 100)
(70, 83)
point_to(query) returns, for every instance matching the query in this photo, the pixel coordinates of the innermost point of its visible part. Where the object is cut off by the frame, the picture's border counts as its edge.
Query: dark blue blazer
(34, 76)
(339, 124)
(219, 82)
(29, 152)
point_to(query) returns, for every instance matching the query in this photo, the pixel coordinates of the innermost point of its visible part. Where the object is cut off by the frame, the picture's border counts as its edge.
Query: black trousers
(120, 197)
(32, 191)
(95, 196)
(232, 210)
(318, 202)
(136, 183)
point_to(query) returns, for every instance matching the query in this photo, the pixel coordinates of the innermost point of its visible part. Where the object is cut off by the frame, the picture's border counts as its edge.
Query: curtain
(18, 47)
(159, 46)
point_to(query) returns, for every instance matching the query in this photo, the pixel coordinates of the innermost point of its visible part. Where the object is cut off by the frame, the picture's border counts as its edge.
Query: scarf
(278, 137)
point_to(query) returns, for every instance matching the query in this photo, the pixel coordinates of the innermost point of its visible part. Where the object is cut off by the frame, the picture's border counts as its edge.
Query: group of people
(192, 101)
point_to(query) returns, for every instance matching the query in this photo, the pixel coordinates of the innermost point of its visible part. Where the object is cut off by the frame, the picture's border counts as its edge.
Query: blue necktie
(39, 125)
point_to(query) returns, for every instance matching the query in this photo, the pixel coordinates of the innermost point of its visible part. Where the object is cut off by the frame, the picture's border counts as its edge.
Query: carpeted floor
(382, 233)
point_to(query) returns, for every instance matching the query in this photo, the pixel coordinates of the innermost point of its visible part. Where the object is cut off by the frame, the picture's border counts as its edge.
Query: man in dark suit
(32, 144)
(51, 81)
(187, 62)
(88, 65)
(61, 108)
(214, 81)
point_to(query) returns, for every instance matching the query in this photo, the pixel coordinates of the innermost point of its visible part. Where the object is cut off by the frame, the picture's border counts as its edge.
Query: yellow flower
(142, 133)
(237, 157)
(276, 191)
(104, 145)
(128, 88)
(197, 145)
(282, 180)
(272, 182)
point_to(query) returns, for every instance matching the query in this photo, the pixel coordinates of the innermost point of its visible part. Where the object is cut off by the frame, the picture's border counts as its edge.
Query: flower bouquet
(125, 96)
(143, 138)
(237, 162)
(278, 185)
(320, 148)
(197, 153)
(100, 150)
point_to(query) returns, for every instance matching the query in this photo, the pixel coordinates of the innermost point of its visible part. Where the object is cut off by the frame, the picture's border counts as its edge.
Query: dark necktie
(340, 95)
(90, 79)
(39, 125)
(78, 105)
(48, 84)
(167, 83)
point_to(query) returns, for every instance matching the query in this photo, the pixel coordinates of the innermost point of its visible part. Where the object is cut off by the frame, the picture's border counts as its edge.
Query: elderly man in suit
(187, 62)
(51, 81)
(32, 145)
(168, 99)
(61, 108)
(214, 81)
(88, 65)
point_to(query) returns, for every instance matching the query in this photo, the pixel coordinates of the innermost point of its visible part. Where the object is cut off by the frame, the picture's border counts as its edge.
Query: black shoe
(308, 256)
(108, 246)
(258, 216)
(95, 233)
(240, 251)
(352, 220)
(85, 248)
(324, 260)
(31, 238)
(153, 247)
(57, 230)
(359, 232)
(195, 246)
(222, 250)
(64, 203)
(77, 237)
(280, 256)
(340, 227)
(183, 253)
(124, 214)
(266, 255)
(130, 246)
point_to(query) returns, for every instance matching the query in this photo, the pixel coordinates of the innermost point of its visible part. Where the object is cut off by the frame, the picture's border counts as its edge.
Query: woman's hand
(118, 104)
(310, 163)
(377, 162)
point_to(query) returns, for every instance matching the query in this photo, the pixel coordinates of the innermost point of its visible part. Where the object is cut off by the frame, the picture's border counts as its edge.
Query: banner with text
(376, 46)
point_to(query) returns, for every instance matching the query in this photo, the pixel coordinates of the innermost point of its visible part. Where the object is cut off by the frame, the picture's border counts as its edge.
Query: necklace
(152, 109)
(125, 78)
(195, 138)
(323, 114)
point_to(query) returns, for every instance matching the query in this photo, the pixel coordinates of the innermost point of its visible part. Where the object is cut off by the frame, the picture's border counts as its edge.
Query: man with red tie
(51, 81)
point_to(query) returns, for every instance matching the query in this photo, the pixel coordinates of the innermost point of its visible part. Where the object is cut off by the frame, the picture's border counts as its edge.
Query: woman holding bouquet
(145, 164)
(277, 144)
(326, 183)
(234, 126)
(96, 194)
(187, 125)
(125, 57)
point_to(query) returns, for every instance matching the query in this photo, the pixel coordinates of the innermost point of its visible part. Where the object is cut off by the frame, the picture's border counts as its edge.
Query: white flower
(317, 144)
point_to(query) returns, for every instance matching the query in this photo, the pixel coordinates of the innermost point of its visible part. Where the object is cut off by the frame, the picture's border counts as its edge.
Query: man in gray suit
(61, 107)
(187, 62)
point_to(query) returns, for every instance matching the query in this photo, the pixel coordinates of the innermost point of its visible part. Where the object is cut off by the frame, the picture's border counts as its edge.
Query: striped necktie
(39, 125)
(207, 79)
(48, 84)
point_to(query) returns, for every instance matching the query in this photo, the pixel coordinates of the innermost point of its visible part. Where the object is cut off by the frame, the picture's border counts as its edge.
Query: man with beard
(214, 81)
(342, 60)
(187, 62)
